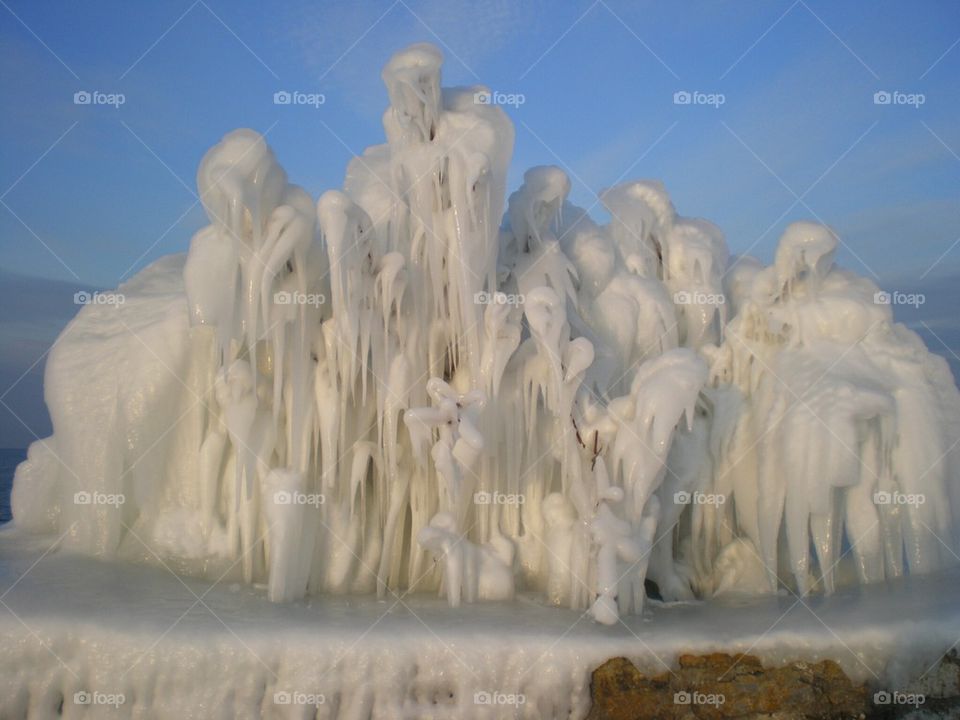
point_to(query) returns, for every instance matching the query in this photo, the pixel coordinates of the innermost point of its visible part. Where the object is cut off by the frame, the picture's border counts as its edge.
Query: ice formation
(414, 386)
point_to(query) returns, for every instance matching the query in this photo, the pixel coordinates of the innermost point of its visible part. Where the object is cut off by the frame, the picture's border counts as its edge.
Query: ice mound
(412, 384)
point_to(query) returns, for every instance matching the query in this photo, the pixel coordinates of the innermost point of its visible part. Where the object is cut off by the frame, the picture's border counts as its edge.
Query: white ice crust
(137, 634)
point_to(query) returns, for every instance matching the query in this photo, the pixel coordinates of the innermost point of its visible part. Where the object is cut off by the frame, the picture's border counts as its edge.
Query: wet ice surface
(140, 631)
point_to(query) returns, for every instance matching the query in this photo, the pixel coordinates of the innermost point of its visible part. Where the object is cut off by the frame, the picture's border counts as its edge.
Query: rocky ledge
(719, 686)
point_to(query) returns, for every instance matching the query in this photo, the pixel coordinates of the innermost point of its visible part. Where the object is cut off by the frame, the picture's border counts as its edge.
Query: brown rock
(720, 686)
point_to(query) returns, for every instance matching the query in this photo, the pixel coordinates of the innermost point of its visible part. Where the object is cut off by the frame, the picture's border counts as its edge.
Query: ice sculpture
(412, 386)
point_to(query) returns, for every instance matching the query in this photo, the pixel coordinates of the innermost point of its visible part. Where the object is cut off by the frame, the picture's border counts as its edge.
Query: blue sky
(90, 194)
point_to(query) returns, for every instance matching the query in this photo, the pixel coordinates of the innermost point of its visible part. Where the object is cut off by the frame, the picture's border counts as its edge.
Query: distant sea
(9, 459)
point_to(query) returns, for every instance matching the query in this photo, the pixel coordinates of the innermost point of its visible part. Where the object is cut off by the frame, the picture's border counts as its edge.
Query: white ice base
(74, 624)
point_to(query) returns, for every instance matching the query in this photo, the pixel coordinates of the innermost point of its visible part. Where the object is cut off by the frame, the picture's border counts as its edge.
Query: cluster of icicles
(412, 387)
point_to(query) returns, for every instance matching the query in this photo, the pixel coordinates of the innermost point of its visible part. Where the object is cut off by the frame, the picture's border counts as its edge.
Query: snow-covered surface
(194, 649)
